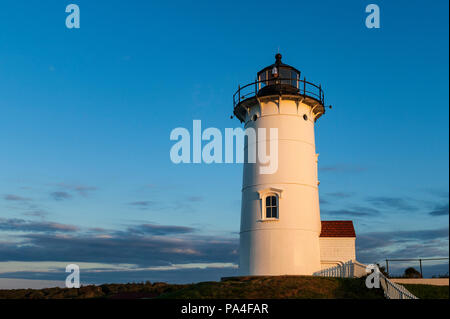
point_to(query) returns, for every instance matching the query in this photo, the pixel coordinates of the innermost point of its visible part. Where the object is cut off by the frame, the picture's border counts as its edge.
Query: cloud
(375, 246)
(82, 190)
(346, 212)
(144, 245)
(86, 267)
(150, 229)
(60, 195)
(143, 204)
(392, 202)
(124, 248)
(12, 197)
(36, 213)
(440, 193)
(195, 198)
(440, 210)
(342, 168)
(340, 194)
(179, 276)
(427, 234)
(331, 197)
(172, 206)
(15, 224)
(355, 211)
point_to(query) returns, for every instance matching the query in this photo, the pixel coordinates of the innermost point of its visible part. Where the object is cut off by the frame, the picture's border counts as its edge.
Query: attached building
(337, 243)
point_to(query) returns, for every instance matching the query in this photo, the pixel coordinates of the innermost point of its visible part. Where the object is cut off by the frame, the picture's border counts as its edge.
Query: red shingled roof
(337, 228)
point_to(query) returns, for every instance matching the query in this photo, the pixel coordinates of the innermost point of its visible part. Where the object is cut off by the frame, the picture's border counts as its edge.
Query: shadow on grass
(278, 287)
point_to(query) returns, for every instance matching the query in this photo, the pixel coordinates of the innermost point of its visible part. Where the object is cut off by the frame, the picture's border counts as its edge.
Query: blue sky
(86, 114)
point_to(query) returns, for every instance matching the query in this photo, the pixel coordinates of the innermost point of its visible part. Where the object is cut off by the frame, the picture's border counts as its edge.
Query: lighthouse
(280, 232)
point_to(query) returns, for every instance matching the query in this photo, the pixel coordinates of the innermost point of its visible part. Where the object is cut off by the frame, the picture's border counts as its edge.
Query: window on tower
(271, 206)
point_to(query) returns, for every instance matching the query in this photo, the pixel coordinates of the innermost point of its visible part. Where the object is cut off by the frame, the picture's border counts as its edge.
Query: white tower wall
(288, 245)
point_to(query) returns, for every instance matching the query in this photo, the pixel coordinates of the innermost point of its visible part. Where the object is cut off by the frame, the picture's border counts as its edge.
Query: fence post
(387, 267)
(421, 273)
(387, 287)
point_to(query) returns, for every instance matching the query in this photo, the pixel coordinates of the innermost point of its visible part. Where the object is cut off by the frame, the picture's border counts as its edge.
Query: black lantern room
(278, 80)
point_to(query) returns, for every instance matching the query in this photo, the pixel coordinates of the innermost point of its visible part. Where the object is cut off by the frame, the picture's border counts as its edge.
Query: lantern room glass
(287, 76)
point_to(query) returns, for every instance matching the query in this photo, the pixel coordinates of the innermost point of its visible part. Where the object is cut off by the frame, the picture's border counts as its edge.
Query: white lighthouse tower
(280, 215)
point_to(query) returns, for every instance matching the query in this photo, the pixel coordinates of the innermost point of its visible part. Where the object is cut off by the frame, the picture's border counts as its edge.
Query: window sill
(268, 220)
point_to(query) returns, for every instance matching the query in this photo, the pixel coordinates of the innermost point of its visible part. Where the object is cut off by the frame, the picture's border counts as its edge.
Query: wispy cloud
(195, 198)
(342, 168)
(340, 194)
(152, 229)
(346, 212)
(375, 246)
(16, 198)
(397, 203)
(59, 196)
(36, 213)
(21, 225)
(146, 245)
(355, 211)
(82, 190)
(145, 204)
(440, 210)
(58, 266)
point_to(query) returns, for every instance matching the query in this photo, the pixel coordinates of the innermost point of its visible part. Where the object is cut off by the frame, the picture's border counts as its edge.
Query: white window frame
(263, 194)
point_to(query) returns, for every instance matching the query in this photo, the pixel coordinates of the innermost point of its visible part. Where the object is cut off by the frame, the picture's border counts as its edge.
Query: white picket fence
(393, 290)
(346, 270)
(353, 269)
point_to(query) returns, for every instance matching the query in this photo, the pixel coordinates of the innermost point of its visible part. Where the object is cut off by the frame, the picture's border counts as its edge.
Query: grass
(278, 287)
(428, 291)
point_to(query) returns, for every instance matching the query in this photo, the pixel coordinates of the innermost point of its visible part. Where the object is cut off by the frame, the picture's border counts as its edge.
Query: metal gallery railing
(304, 88)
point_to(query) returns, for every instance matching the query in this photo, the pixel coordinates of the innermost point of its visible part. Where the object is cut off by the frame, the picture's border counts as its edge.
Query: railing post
(304, 85)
